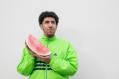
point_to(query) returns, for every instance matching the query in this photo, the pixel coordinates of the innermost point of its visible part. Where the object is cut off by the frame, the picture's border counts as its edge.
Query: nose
(50, 24)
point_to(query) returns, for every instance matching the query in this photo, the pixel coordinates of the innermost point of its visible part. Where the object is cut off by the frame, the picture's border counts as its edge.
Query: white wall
(91, 25)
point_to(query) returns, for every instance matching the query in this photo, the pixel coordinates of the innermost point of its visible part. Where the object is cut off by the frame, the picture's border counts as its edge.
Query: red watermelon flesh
(36, 46)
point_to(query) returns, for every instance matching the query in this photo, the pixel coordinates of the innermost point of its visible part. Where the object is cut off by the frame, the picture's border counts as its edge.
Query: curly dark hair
(48, 14)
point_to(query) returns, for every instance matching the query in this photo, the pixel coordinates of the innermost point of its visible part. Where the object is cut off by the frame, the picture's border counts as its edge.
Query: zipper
(46, 63)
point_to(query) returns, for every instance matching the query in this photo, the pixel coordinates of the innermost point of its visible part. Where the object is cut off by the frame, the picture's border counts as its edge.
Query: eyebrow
(50, 21)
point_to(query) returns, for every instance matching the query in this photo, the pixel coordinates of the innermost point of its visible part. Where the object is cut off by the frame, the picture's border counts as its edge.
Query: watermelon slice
(37, 47)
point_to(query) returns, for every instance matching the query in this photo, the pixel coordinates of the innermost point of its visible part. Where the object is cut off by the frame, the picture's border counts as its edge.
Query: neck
(49, 36)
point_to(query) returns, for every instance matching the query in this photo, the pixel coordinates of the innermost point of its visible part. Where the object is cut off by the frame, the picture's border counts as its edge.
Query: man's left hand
(44, 58)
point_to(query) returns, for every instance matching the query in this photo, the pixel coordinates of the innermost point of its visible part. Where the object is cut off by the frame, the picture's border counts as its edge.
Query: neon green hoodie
(63, 61)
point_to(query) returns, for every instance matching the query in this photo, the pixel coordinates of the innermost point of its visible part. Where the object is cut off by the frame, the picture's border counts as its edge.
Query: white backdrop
(92, 26)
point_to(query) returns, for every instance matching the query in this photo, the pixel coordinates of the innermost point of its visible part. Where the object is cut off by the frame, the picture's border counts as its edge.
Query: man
(62, 61)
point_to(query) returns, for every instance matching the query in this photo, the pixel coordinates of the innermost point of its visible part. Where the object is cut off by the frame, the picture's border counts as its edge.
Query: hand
(44, 58)
(41, 57)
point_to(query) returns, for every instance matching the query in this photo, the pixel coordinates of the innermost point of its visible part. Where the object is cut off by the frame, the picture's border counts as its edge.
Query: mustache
(50, 29)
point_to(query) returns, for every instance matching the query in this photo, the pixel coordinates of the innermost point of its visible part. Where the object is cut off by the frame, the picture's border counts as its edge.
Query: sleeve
(26, 65)
(66, 66)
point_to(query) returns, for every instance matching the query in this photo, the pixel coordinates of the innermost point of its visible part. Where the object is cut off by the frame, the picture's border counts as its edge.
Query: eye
(53, 22)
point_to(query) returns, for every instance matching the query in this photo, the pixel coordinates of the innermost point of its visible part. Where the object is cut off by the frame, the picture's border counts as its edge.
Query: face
(49, 26)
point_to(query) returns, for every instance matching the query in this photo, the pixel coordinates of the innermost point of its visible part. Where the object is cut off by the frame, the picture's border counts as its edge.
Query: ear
(56, 26)
(41, 26)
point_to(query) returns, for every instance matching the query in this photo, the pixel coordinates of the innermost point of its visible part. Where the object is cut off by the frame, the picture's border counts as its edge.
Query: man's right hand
(42, 58)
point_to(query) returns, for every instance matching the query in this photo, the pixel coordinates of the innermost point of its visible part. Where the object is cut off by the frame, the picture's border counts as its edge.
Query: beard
(49, 33)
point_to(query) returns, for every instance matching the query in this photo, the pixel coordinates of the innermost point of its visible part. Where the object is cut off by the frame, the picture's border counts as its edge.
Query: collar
(48, 38)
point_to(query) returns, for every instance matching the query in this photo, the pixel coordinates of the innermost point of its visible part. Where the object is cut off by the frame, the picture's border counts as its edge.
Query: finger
(44, 57)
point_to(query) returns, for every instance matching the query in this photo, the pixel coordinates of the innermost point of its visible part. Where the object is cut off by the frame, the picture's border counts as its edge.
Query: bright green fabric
(63, 61)
(27, 63)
